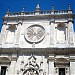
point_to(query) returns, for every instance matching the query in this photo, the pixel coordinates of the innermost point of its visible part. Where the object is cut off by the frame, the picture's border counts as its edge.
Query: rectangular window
(61, 71)
(3, 70)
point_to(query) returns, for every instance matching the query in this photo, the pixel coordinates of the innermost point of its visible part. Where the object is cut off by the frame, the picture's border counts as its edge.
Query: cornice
(39, 17)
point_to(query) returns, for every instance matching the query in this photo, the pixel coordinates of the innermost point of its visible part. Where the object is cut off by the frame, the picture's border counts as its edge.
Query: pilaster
(56, 35)
(18, 33)
(72, 65)
(12, 67)
(66, 35)
(52, 32)
(70, 32)
(51, 65)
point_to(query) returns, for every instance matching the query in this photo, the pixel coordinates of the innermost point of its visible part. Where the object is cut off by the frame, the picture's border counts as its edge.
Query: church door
(61, 71)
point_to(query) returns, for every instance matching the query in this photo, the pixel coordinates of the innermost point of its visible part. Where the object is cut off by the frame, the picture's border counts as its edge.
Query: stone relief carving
(31, 67)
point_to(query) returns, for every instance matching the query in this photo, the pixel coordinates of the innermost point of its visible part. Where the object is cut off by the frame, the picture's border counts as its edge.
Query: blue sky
(16, 5)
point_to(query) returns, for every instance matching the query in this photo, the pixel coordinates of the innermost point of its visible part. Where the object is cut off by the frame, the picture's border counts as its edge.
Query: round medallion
(34, 33)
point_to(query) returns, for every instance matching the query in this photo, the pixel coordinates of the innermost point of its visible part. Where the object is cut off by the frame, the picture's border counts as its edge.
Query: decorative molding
(4, 60)
(42, 17)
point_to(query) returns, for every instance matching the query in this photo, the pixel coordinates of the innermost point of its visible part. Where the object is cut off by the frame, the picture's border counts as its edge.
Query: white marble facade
(38, 43)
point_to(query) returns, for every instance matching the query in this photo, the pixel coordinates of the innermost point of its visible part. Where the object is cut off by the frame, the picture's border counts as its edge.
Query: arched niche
(61, 33)
(11, 33)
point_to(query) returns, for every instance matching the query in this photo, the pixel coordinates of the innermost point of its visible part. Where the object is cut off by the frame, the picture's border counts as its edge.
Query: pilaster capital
(72, 58)
(70, 21)
(51, 58)
(14, 57)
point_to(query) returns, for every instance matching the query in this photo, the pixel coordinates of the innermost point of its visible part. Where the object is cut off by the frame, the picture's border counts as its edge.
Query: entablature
(38, 51)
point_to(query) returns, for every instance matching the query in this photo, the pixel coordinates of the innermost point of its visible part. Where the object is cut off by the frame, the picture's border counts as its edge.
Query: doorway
(3, 70)
(61, 71)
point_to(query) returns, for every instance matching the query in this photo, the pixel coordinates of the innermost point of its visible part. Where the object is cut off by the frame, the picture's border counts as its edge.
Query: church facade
(38, 43)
